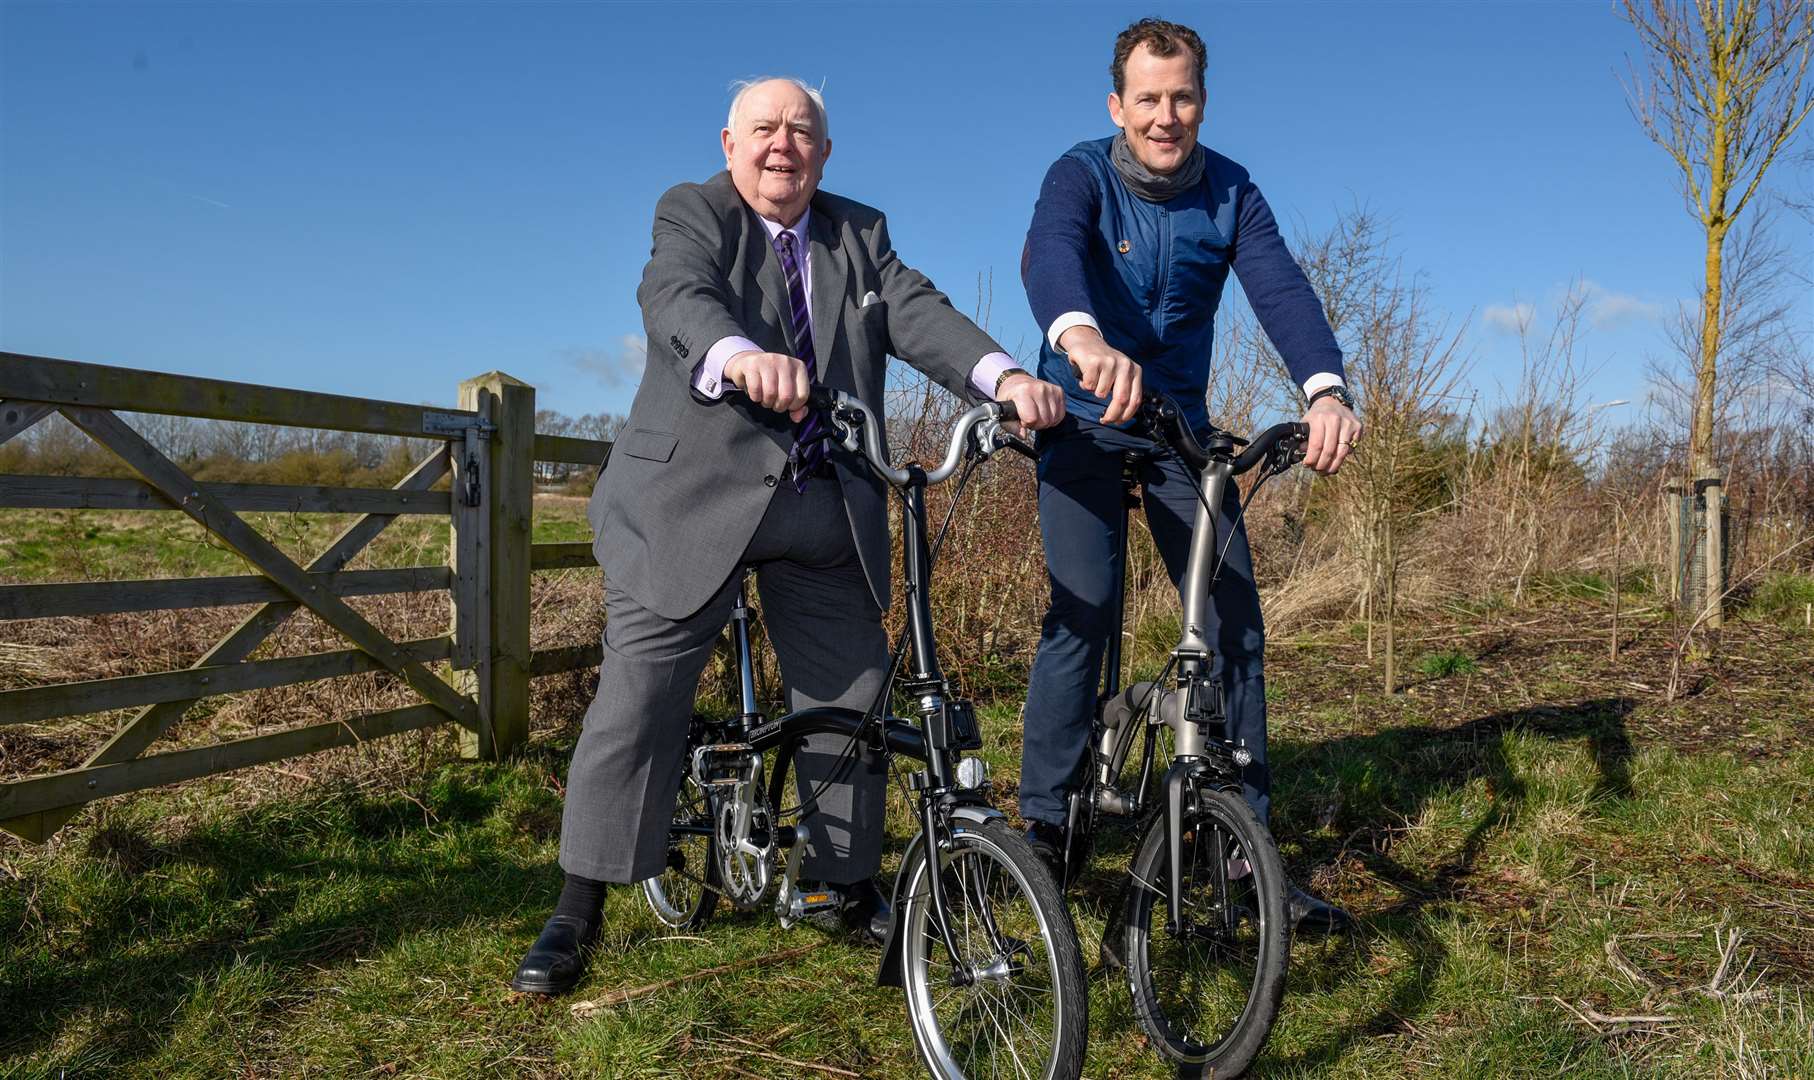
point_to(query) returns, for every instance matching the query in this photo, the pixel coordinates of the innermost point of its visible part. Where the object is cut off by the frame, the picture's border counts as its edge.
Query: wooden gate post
(502, 617)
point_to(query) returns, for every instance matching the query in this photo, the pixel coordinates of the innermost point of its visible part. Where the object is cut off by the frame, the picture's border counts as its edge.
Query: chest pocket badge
(1124, 247)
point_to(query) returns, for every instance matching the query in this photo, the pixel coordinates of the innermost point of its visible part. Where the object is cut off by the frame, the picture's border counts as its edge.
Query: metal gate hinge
(454, 425)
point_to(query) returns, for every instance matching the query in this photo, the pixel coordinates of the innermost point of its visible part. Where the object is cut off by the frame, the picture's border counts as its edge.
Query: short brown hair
(1162, 39)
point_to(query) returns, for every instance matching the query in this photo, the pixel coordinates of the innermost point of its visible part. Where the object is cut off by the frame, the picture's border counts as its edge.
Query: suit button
(769, 480)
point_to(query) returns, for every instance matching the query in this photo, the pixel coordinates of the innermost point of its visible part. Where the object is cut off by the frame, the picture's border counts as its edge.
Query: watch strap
(1005, 376)
(1335, 390)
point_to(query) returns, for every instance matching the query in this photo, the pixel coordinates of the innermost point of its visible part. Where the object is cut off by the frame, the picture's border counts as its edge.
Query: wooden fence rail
(486, 449)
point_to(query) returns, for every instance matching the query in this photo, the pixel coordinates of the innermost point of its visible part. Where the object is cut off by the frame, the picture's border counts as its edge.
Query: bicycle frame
(1191, 656)
(1191, 705)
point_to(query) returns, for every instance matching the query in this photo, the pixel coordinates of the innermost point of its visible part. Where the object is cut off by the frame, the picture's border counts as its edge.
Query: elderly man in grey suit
(760, 281)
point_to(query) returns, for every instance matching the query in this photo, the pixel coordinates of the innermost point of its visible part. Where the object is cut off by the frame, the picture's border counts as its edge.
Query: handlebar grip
(819, 400)
(1264, 443)
(1009, 413)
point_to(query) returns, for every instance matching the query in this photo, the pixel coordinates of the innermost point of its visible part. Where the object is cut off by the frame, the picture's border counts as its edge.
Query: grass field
(80, 545)
(1557, 872)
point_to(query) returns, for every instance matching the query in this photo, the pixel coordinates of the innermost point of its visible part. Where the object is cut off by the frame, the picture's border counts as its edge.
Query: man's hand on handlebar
(1334, 431)
(1104, 371)
(1037, 403)
(772, 380)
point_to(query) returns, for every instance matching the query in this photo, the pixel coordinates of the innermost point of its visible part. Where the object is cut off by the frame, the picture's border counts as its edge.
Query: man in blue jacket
(1131, 243)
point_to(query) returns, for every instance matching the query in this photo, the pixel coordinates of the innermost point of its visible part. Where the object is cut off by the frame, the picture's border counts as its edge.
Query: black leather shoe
(865, 911)
(1310, 915)
(1047, 841)
(558, 958)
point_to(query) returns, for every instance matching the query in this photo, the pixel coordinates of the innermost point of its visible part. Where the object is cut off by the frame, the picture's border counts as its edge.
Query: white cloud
(614, 367)
(1507, 318)
(1604, 309)
(1607, 310)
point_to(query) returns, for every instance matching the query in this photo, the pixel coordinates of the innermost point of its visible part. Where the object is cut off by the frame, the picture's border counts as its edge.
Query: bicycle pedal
(724, 764)
(805, 903)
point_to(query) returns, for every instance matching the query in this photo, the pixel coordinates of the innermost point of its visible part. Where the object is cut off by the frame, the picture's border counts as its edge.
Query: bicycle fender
(888, 971)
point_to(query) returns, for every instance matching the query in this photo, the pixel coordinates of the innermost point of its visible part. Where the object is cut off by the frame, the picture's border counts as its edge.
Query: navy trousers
(1080, 467)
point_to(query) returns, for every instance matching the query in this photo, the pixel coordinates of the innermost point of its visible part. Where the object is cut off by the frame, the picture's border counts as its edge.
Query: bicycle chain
(699, 881)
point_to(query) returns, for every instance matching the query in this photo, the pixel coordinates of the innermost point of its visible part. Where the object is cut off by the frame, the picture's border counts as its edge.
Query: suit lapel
(831, 275)
(770, 278)
(830, 279)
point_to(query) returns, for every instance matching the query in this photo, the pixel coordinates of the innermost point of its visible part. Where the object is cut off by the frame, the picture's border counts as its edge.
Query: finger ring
(1352, 443)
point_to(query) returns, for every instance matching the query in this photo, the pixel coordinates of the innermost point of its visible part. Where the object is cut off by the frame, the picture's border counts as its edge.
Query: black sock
(582, 898)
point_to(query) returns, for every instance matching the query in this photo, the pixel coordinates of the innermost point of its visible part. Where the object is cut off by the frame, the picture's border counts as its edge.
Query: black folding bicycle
(1201, 936)
(981, 942)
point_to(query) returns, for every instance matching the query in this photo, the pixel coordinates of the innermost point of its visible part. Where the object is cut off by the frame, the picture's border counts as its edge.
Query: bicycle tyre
(993, 861)
(676, 895)
(1185, 997)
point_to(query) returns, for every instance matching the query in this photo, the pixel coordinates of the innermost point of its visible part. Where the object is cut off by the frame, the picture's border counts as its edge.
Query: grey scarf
(1150, 185)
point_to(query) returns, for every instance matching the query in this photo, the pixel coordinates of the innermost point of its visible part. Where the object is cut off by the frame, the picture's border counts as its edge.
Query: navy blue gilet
(1155, 274)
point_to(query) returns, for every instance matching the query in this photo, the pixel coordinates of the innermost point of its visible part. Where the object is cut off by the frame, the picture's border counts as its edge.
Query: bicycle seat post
(746, 668)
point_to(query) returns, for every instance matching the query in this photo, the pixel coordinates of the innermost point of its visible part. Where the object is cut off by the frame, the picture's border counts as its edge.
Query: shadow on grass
(1393, 775)
(132, 928)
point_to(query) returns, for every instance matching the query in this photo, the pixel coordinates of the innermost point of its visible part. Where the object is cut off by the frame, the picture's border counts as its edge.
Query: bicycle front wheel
(683, 895)
(1014, 1005)
(1207, 991)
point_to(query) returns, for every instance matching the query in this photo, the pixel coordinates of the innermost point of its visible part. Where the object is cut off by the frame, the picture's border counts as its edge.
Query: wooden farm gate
(487, 447)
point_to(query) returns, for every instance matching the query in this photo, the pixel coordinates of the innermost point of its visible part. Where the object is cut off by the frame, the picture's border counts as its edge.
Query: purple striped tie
(808, 451)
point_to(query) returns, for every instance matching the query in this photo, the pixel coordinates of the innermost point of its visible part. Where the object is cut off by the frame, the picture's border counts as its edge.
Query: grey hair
(743, 86)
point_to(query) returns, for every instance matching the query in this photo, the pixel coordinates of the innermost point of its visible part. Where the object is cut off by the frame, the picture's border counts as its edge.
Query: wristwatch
(1336, 391)
(1005, 376)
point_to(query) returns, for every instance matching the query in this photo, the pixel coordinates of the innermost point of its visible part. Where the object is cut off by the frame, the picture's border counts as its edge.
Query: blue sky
(383, 199)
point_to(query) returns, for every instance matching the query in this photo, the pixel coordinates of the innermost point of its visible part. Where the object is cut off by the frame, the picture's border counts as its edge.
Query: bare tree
(1761, 346)
(1724, 90)
(1347, 266)
(1530, 464)
(1405, 365)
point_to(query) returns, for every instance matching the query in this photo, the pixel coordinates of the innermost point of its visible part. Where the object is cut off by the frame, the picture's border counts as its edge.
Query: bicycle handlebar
(1166, 422)
(851, 415)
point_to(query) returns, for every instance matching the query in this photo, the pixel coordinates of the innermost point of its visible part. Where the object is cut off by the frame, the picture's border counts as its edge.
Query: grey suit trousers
(826, 631)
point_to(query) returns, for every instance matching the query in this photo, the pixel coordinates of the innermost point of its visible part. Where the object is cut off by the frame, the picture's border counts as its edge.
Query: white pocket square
(869, 298)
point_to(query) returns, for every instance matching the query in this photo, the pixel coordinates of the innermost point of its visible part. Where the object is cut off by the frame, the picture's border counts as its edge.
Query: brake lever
(992, 436)
(1284, 454)
(986, 438)
(844, 426)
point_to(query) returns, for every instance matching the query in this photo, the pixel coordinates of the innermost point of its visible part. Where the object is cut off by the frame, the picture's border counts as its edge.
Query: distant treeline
(234, 452)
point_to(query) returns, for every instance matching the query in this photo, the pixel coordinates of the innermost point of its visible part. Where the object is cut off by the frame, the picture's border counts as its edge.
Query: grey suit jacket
(689, 479)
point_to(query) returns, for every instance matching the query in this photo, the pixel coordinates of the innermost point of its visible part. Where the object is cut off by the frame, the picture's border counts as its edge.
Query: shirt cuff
(987, 370)
(1065, 322)
(708, 374)
(1321, 379)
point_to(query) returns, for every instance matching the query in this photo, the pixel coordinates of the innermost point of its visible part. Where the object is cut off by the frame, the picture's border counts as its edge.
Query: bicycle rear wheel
(1022, 1010)
(1207, 994)
(684, 894)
